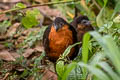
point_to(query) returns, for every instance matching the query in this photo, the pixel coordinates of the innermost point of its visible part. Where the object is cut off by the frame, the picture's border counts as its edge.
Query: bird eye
(61, 24)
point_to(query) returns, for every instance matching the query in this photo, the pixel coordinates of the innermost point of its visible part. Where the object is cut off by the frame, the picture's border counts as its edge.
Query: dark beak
(55, 26)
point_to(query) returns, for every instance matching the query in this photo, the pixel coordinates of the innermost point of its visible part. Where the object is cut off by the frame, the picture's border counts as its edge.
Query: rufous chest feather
(61, 39)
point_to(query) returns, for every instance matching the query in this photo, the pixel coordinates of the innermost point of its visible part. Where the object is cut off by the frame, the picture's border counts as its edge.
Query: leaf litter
(20, 47)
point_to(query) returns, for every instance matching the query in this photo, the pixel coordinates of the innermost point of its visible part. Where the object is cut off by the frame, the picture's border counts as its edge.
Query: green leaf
(100, 2)
(109, 70)
(97, 58)
(76, 74)
(112, 51)
(99, 18)
(117, 9)
(8, 44)
(110, 48)
(85, 47)
(105, 2)
(30, 19)
(117, 19)
(34, 12)
(88, 12)
(103, 15)
(20, 5)
(106, 26)
(69, 68)
(60, 68)
(4, 25)
(67, 51)
(38, 60)
(96, 71)
(25, 73)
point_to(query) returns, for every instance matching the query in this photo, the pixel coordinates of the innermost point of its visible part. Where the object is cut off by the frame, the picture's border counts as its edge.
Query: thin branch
(96, 4)
(76, 10)
(36, 5)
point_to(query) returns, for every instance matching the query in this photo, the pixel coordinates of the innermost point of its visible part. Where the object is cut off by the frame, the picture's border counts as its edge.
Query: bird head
(82, 23)
(59, 23)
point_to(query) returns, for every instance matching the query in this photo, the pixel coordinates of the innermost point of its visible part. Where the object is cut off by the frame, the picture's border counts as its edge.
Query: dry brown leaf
(16, 36)
(19, 68)
(10, 1)
(39, 48)
(21, 39)
(5, 55)
(3, 37)
(6, 75)
(3, 16)
(31, 78)
(49, 75)
(12, 30)
(2, 47)
(28, 52)
(25, 32)
(15, 55)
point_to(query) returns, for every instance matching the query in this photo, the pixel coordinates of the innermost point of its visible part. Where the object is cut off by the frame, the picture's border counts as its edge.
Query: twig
(6, 75)
(36, 5)
(96, 4)
(76, 11)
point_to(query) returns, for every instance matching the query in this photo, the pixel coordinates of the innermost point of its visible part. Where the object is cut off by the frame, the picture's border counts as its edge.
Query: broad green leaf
(85, 47)
(30, 19)
(99, 18)
(60, 68)
(20, 5)
(69, 68)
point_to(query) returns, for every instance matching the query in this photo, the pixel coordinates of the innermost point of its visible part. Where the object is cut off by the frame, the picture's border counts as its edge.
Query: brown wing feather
(45, 39)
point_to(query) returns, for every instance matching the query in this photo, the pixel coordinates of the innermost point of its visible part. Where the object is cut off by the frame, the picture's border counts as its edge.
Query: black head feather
(59, 23)
(81, 20)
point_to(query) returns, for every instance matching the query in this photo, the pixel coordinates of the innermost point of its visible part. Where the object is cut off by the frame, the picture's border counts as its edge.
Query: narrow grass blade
(95, 71)
(109, 70)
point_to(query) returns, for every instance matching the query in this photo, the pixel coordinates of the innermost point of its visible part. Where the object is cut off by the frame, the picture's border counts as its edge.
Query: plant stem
(36, 5)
